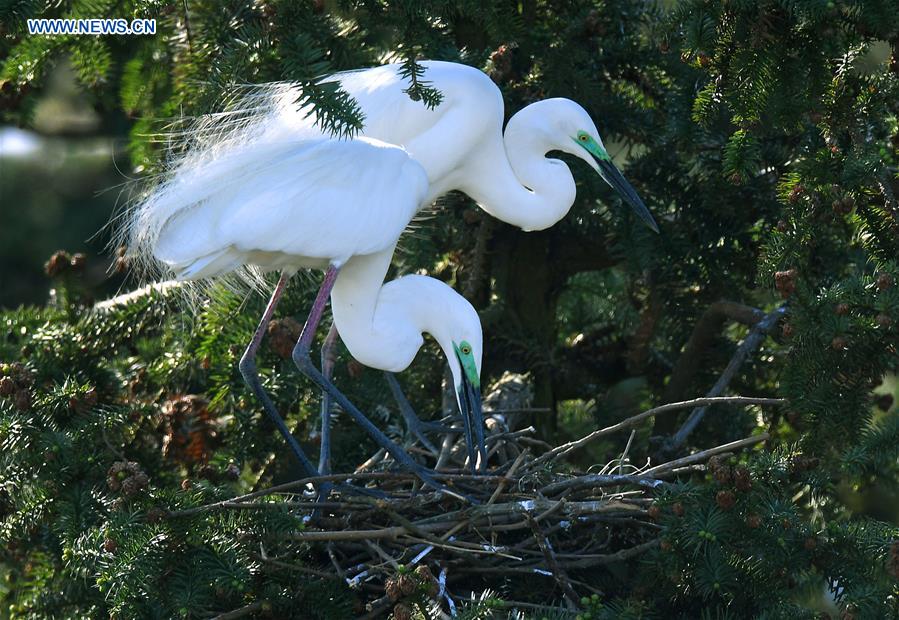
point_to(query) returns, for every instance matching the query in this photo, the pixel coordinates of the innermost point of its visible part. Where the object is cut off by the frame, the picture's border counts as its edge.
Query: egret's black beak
(473, 423)
(610, 173)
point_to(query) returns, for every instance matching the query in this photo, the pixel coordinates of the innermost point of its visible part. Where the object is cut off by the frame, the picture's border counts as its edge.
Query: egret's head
(461, 339)
(426, 305)
(568, 128)
(464, 360)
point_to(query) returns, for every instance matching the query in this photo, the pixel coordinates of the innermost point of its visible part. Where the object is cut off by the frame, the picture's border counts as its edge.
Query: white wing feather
(280, 204)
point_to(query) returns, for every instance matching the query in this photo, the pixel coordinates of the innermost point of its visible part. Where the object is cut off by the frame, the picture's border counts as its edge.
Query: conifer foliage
(763, 135)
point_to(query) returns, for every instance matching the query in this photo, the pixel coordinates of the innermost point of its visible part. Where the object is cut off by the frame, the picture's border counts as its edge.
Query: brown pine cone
(427, 579)
(57, 264)
(406, 584)
(402, 612)
(7, 386)
(742, 479)
(785, 282)
(725, 500)
(392, 589)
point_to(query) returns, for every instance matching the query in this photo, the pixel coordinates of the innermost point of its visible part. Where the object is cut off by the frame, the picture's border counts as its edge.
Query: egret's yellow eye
(583, 137)
(465, 349)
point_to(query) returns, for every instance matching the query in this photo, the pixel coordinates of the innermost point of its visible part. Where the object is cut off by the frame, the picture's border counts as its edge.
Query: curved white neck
(515, 182)
(372, 337)
(382, 325)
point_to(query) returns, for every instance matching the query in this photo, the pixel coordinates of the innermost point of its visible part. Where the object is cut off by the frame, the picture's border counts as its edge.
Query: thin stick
(705, 454)
(508, 477)
(599, 480)
(565, 449)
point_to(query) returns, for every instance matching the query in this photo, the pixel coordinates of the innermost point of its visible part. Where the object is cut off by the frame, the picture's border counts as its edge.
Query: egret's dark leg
(304, 362)
(329, 357)
(415, 425)
(250, 375)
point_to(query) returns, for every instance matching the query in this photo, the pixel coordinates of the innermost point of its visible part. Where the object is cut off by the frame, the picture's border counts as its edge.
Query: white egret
(390, 336)
(262, 187)
(460, 143)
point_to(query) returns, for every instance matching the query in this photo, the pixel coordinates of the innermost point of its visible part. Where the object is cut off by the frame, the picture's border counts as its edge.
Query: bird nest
(526, 521)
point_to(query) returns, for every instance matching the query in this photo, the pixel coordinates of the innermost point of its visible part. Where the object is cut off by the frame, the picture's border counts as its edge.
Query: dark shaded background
(60, 180)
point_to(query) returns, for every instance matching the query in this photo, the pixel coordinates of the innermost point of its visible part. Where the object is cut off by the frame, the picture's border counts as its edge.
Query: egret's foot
(413, 422)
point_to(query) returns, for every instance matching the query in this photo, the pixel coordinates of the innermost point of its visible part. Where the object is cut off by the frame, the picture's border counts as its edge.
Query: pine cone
(753, 521)
(110, 545)
(884, 320)
(426, 578)
(785, 282)
(654, 512)
(402, 612)
(721, 472)
(742, 479)
(129, 487)
(841, 309)
(678, 509)
(839, 343)
(7, 386)
(884, 281)
(725, 500)
(406, 584)
(57, 264)
(392, 589)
